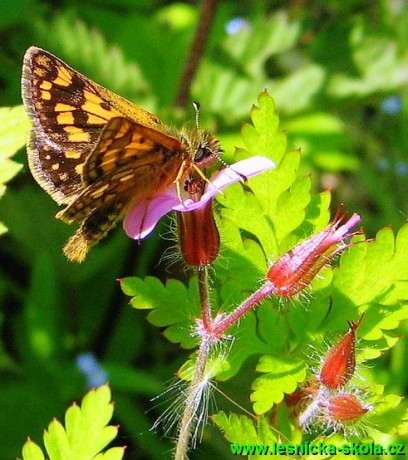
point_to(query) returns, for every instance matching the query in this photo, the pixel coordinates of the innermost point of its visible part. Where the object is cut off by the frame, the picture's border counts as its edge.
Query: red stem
(204, 299)
(220, 327)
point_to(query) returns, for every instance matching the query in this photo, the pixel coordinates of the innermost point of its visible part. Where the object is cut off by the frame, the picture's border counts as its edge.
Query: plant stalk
(221, 326)
(193, 400)
(206, 315)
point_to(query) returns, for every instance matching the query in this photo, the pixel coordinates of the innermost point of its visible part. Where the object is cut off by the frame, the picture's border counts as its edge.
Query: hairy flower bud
(345, 408)
(295, 270)
(340, 361)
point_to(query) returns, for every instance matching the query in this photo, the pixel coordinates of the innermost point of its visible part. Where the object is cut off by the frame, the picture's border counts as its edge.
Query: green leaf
(232, 76)
(32, 452)
(373, 275)
(253, 44)
(241, 263)
(279, 199)
(282, 375)
(86, 432)
(302, 85)
(13, 130)
(86, 426)
(174, 306)
(389, 413)
(252, 211)
(323, 140)
(264, 331)
(56, 441)
(241, 429)
(242, 432)
(379, 63)
(14, 126)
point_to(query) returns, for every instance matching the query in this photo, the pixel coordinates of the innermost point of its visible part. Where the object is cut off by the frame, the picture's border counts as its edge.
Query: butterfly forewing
(68, 112)
(113, 187)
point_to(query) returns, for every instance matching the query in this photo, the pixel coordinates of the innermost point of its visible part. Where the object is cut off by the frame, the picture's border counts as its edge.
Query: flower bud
(340, 361)
(295, 270)
(302, 393)
(345, 408)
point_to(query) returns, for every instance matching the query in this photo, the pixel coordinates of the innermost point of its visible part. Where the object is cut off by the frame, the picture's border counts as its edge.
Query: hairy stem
(221, 326)
(204, 298)
(193, 400)
(196, 51)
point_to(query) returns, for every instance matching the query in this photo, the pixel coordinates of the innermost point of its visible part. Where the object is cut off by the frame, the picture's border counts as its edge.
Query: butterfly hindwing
(94, 227)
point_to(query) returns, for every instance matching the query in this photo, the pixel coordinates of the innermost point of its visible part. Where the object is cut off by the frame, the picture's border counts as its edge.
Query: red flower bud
(295, 270)
(345, 408)
(340, 361)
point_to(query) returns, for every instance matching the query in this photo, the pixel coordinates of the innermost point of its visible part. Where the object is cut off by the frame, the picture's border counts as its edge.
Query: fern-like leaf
(85, 435)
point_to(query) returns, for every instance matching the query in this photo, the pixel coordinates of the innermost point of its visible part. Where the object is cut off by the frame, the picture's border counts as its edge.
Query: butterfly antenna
(197, 107)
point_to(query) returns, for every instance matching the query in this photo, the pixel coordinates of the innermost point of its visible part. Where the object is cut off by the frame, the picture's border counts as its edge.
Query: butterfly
(99, 154)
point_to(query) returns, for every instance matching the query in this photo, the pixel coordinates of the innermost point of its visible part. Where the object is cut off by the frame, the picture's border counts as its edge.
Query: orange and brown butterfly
(97, 153)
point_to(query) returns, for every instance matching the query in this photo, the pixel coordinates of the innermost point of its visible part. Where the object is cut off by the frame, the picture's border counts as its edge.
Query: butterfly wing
(123, 142)
(130, 162)
(68, 112)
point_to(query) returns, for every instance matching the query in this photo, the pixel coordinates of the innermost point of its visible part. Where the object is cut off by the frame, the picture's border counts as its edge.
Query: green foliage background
(337, 71)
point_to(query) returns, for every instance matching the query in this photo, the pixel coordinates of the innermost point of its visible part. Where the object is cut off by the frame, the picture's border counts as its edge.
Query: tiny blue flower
(402, 168)
(391, 105)
(383, 164)
(236, 25)
(93, 371)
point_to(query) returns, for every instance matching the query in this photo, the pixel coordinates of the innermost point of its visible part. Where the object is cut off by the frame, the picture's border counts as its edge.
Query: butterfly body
(98, 153)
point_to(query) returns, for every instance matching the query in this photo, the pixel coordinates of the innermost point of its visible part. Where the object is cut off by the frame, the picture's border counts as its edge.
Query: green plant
(85, 434)
(336, 72)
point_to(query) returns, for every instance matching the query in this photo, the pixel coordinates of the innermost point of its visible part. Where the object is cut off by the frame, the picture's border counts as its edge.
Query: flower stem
(221, 326)
(193, 399)
(216, 329)
(206, 315)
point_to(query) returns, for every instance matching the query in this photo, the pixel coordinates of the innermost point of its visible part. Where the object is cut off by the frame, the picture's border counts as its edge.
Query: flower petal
(235, 173)
(141, 220)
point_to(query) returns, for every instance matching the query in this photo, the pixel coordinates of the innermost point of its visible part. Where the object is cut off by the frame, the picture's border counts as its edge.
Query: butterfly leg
(178, 178)
(205, 179)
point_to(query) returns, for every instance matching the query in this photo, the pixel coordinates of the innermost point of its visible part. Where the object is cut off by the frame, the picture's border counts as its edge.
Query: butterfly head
(203, 147)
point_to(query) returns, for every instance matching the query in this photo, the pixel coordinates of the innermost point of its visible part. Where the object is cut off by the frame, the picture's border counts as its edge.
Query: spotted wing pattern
(68, 112)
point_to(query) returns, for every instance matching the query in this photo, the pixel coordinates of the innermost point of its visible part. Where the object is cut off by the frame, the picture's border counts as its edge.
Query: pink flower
(141, 220)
